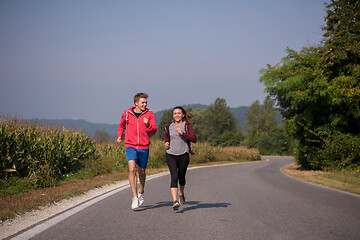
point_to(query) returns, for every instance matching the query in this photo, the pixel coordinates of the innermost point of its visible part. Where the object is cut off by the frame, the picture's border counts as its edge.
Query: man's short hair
(140, 95)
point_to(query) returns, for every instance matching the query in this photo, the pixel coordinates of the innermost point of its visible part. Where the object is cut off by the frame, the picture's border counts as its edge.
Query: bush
(336, 151)
(341, 151)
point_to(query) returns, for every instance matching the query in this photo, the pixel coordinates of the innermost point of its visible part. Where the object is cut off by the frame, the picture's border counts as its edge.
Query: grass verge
(346, 181)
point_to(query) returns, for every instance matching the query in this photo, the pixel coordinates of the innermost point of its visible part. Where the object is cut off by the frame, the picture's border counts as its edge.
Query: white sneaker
(141, 198)
(135, 203)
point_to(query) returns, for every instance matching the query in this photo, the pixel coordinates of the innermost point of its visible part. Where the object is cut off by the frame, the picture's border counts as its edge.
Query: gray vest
(178, 145)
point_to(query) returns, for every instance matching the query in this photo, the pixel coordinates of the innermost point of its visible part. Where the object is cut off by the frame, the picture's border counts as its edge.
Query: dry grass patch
(346, 181)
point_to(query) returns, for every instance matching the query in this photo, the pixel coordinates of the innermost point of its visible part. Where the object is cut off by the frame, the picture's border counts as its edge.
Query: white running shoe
(141, 198)
(135, 203)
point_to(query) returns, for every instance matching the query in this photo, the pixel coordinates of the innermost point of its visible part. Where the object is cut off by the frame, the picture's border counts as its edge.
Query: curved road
(237, 201)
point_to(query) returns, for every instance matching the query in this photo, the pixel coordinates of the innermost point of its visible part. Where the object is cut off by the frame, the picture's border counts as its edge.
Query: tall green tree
(218, 119)
(340, 63)
(264, 133)
(318, 91)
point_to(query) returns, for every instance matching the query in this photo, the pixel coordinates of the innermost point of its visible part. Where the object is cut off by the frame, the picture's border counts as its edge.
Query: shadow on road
(198, 205)
(188, 206)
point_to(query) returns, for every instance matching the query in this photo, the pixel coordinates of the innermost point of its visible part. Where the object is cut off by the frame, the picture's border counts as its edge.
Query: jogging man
(139, 122)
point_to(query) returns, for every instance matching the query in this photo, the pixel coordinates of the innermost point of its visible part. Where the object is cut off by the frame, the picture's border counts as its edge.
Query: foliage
(166, 118)
(264, 133)
(102, 136)
(318, 91)
(340, 63)
(341, 52)
(217, 119)
(231, 138)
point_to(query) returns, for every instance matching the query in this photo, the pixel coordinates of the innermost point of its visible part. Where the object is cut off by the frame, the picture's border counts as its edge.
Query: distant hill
(90, 128)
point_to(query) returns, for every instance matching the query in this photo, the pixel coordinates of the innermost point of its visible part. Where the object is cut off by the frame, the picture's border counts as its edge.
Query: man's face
(141, 104)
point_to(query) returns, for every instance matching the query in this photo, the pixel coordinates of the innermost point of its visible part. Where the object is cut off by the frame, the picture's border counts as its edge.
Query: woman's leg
(171, 162)
(183, 163)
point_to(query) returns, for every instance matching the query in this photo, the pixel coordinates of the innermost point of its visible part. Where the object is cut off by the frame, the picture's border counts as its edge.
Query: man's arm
(121, 128)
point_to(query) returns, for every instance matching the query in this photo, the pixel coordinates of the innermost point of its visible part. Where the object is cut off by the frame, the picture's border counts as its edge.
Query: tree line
(217, 125)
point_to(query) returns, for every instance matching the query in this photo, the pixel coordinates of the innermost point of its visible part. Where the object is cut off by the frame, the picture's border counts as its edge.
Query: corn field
(41, 153)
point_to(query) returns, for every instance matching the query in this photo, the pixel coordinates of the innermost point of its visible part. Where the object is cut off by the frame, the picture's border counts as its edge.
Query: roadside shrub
(335, 151)
(341, 151)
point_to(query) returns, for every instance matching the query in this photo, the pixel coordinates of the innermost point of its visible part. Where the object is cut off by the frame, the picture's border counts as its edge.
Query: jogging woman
(178, 136)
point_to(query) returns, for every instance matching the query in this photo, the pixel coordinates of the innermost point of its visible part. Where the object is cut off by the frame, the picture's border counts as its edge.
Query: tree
(101, 136)
(318, 90)
(216, 120)
(340, 61)
(341, 52)
(264, 133)
(166, 118)
(231, 138)
(197, 123)
(261, 118)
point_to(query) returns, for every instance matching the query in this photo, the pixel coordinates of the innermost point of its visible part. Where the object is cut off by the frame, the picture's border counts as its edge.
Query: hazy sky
(85, 59)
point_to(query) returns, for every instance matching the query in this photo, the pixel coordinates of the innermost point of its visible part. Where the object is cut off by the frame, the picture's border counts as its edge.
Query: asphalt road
(238, 201)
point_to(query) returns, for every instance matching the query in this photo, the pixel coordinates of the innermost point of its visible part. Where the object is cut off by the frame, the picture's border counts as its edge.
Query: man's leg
(143, 156)
(132, 177)
(142, 179)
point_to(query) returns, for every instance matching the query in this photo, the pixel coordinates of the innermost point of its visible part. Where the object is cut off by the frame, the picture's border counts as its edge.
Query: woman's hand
(167, 145)
(179, 131)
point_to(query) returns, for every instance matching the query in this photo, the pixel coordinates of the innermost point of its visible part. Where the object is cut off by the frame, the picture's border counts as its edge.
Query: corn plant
(42, 153)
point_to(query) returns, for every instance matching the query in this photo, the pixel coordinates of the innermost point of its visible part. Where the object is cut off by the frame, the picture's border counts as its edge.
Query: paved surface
(239, 201)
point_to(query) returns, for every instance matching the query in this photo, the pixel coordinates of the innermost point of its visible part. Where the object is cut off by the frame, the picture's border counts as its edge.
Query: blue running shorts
(140, 156)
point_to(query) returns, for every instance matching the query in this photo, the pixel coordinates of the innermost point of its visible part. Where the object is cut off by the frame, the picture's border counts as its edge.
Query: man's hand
(118, 140)
(167, 145)
(146, 121)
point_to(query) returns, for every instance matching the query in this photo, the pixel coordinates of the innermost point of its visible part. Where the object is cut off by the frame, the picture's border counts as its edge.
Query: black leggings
(177, 166)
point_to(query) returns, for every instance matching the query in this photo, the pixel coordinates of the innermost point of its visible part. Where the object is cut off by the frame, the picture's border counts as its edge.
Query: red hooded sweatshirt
(137, 133)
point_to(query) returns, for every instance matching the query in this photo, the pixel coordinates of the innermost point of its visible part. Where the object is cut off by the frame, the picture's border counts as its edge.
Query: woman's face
(178, 115)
